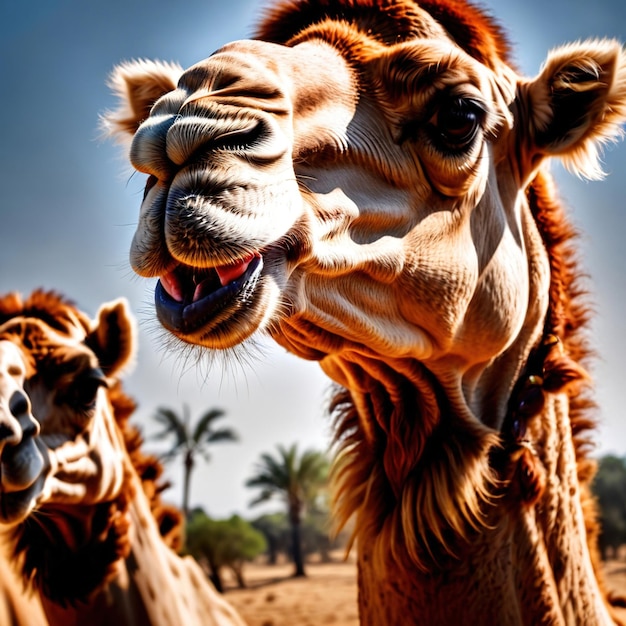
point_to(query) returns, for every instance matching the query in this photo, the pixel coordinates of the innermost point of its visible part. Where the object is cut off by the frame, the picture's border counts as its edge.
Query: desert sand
(326, 596)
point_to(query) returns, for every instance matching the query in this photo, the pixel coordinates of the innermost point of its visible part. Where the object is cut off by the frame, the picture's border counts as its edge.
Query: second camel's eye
(456, 123)
(85, 389)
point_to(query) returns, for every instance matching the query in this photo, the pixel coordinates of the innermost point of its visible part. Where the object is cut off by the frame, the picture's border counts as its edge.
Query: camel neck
(152, 586)
(447, 538)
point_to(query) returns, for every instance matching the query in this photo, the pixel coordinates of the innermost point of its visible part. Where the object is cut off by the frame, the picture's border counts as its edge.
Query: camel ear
(138, 85)
(578, 103)
(113, 337)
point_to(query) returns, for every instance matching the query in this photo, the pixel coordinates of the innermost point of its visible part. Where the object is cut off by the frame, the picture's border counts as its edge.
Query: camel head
(56, 366)
(61, 459)
(353, 182)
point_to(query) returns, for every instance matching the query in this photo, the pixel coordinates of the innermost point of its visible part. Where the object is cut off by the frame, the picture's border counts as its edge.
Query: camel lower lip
(186, 318)
(21, 466)
(15, 506)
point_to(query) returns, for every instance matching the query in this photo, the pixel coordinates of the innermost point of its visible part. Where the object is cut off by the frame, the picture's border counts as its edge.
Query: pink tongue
(228, 273)
(171, 284)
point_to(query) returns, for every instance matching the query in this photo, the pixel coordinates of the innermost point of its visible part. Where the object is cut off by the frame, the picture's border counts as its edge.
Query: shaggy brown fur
(389, 22)
(149, 468)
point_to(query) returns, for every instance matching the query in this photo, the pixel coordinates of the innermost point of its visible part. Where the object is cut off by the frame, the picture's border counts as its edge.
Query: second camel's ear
(113, 337)
(578, 102)
(138, 85)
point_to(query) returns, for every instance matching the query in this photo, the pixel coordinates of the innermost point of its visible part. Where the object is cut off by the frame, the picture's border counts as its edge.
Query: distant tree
(275, 528)
(190, 442)
(316, 529)
(296, 480)
(609, 487)
(223, 543)
(315, 533)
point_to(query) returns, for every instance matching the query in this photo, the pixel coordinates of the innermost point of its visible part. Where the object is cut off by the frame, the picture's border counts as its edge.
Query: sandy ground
(326, 596)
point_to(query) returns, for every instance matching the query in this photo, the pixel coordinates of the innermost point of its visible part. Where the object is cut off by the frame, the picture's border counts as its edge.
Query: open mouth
(188, 298)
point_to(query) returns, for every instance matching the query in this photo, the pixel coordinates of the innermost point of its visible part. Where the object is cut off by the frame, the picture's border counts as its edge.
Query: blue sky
(69, 205)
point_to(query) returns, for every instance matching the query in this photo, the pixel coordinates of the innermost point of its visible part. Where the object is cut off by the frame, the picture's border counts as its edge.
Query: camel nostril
(196, 138)
(19, 404)
(6, 433)
(20, 424)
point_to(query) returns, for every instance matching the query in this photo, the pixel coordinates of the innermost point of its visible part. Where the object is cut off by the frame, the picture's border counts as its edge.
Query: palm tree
(190, 443)
(295, 479)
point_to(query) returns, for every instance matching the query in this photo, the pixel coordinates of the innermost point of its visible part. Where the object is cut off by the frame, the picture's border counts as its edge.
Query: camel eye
(85, 390)
(456, 123)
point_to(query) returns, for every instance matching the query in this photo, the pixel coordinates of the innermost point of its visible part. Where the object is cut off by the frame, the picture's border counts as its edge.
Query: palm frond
(205, 422)
(222, 434)
(298, 479)
(172, 425)
(264, 496)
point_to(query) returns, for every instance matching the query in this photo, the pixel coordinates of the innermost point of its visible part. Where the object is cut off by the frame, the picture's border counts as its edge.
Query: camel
(367, 183)
(80, 510)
